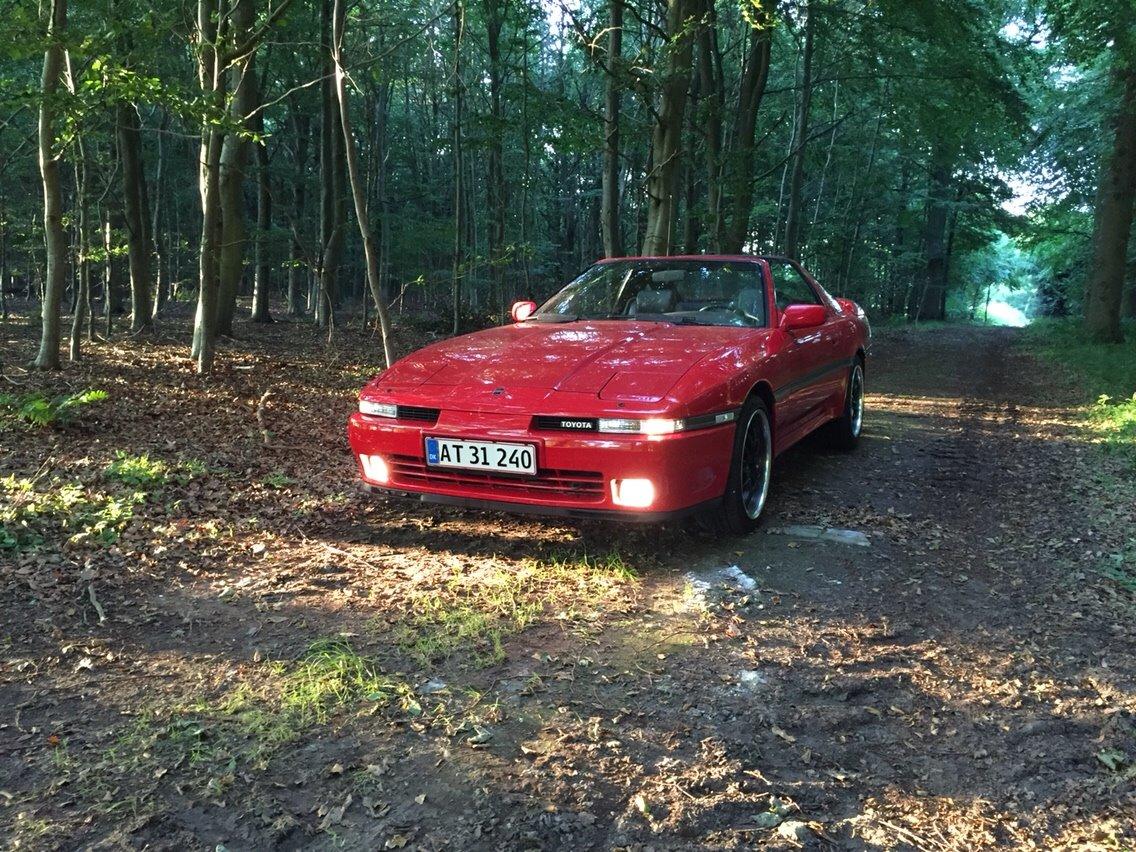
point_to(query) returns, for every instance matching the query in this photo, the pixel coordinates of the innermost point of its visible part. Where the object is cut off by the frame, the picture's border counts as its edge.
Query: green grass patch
(151, 474)
(36, 410)
(138, 471)
(1121, 568)
(278, 480)
(472, 613)
(31, 516)
(1107, 371)
(212, 740)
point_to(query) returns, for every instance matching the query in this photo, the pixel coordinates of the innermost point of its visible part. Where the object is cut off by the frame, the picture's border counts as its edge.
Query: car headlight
(378, 409)
(649, 426)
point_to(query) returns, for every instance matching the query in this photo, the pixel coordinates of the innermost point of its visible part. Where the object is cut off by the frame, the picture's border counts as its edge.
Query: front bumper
(574, 470)
(640, 516)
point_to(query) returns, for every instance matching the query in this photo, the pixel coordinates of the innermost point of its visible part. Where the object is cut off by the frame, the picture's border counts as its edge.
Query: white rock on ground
(832, 534)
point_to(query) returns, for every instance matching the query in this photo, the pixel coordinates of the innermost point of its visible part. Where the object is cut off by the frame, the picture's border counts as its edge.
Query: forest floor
(214, 640)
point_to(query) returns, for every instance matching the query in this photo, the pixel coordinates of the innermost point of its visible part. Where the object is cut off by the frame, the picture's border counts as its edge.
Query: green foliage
(245, 727)
(37, 410)
(473, 614)
(1121, 568)
(278, 479)
(1115, 421)
(139, 471)
(1107, 371)
(331, 675)
(64, 512)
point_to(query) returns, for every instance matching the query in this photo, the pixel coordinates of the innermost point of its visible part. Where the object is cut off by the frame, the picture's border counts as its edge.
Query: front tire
(751, 470)
(845, 430)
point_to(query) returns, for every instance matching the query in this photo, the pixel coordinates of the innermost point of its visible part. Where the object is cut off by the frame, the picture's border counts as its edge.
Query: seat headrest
(654, 301)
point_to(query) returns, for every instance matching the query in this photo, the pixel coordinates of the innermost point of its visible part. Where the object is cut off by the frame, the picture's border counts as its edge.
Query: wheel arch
(764, 391)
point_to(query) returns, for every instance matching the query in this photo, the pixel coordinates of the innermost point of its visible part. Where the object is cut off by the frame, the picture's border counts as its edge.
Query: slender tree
(666, 135)
(358, 191)
(610, 223)
(55, 233)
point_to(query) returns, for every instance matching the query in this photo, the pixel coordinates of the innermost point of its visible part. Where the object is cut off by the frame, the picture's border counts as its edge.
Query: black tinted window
(790, 287)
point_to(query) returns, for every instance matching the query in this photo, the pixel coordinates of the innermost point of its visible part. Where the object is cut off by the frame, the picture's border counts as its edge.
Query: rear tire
(844, 432)
(751, 469)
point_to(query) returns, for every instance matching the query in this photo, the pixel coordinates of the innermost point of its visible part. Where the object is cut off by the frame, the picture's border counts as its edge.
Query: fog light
(633, 493)
(375, 469)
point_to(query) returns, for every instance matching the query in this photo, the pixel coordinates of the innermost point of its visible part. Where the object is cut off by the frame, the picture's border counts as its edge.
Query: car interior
(721, 295)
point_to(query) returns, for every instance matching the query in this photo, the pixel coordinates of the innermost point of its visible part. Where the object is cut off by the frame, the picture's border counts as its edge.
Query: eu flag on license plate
(431, 450)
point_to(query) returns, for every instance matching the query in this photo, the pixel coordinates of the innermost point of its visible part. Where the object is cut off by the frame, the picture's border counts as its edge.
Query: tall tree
(791, 245)
(497, 188)
(54, 233)
(137, 208)
(358, 190)
(233, 164)
(666, 135)
(739, 177)
(1113, 218)
(610, 223)
(456, 139)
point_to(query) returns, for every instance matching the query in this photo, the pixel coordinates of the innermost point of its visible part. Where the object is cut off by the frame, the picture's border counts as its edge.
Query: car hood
(616, 360)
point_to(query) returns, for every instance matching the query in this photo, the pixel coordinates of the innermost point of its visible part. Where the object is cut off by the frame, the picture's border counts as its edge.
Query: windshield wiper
(553, 318)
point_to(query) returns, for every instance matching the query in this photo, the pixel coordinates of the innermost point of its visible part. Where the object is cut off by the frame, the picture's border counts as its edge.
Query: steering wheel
(719, 305)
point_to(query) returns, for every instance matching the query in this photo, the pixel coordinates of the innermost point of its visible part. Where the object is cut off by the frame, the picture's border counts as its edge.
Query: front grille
(543, 422)
(576, 484)
(414, 412)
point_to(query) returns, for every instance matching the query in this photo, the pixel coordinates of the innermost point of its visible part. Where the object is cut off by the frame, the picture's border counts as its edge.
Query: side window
(790, 288)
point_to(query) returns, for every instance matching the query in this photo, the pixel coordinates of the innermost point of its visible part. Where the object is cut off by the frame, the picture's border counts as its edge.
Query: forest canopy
(441, 159)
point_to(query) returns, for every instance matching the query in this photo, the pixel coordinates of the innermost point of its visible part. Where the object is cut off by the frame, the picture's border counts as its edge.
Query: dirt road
(966, 679)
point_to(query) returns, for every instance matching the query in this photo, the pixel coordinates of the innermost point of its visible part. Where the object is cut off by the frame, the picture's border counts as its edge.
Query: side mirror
(797, 317)
(521, 311)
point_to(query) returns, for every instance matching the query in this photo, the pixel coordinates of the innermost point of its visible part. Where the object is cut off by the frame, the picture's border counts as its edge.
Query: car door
(809, 376)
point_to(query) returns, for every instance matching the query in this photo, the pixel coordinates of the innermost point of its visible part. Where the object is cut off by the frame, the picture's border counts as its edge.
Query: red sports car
(647, 389)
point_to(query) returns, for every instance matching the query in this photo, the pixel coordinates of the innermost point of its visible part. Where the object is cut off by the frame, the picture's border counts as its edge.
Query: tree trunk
(932, 300)
(1113, 221)
(157, 228)
(211, 77)
(666, 136)
(712, 92)
(332, 211)
(3, 262)
(495, 178)
(458, 270)
(233, 163)
(136, 207)
(358, 192)
(610, 224)
(791, 246)
(54, 232)
(83, 293)
(298, 267)
(750, 94)
(263, 279)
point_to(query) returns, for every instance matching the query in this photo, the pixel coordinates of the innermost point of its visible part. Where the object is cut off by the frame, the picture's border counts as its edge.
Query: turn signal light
(375, 469)
(633, 493)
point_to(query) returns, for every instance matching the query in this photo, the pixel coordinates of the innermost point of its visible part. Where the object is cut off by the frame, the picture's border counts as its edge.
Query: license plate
(481, 455)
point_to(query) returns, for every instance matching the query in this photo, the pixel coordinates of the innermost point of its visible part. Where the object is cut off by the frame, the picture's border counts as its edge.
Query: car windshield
(701, 292)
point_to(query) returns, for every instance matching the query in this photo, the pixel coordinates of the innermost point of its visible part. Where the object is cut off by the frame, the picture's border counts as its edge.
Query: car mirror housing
(796, 317)
(521, 311)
